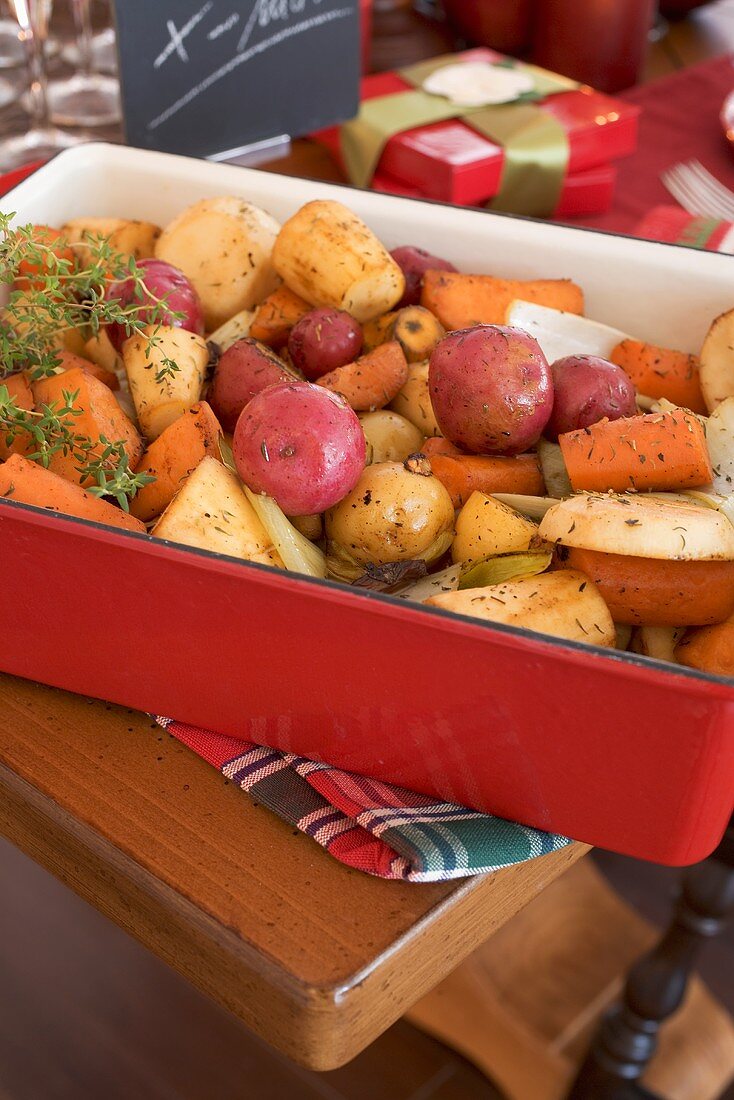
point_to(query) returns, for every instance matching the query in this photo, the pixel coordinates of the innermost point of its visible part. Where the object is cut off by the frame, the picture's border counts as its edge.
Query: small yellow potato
(417, 331)
(161, 393)
(414, 400)
(485, 527)
(126, 237)
(390, 437)
(224, 246)
(327, 255)
(396, 512)
(211, 512)
(565, 604)
(657, 641)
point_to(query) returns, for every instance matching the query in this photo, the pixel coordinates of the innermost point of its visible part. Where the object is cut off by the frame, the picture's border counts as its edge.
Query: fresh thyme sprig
(49, 430)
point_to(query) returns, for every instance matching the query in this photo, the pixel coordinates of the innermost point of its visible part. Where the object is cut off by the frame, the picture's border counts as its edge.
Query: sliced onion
(555, 474)
(298, 553)
(447, 580)
(533, 507)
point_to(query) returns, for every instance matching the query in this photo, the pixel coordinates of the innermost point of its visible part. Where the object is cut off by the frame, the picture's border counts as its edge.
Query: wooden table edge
(320, 1027)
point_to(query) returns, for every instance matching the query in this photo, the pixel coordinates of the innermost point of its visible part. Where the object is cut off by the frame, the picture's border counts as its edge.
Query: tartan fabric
(372, 826)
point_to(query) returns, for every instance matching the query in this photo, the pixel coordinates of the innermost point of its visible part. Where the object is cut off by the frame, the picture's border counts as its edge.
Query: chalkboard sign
(204, 77)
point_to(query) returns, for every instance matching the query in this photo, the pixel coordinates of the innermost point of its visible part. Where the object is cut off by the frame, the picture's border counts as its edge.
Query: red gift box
(587, 192)
(451, 162)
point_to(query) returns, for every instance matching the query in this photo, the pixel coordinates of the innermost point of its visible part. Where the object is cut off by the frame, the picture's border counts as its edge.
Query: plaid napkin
(677, 226)
(372, 826)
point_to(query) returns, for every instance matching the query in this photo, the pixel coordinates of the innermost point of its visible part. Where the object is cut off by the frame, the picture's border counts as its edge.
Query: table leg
(627, 1038)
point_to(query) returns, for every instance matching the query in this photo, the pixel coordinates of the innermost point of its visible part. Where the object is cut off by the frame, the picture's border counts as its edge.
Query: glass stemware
(88, 98)
(41, 140)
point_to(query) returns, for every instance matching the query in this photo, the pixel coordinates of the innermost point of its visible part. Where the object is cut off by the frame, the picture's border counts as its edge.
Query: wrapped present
(674, 225)
(587, 192)
(514, 155)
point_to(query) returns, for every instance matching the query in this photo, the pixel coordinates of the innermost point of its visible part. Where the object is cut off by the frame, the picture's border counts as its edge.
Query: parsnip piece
(100, 350)
(161, 395)
(720, 443)
(126, 237)
(485, 527)
(414, 400)
(224, 245)
(717, 361)
(645, 527)
(565, 604)
(232, 330)
(328, 256)
(211, 512)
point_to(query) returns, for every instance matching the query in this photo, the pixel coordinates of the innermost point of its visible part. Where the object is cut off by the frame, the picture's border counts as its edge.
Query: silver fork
(698, 191)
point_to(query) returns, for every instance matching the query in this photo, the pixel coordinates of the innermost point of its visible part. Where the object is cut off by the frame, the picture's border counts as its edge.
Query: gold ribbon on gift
(535, 144)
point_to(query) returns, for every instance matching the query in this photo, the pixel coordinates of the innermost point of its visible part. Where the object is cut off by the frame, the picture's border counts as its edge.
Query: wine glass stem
(83, 22)
(33, 42)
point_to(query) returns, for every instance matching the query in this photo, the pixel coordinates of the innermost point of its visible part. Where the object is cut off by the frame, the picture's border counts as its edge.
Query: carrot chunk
(655, 451)
(437, 445)
(276, 315)
(371, 381)
(462, 474)
(657, 591)
(19, 389)
(709, 649)
(100, 416)
(173, 455)
(661, 372)
(69, 361)
(460, 301)
(29, 483)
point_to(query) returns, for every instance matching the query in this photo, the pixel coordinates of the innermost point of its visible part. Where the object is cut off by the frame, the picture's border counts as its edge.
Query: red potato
(161, 280)
(588, 389)
(414, 263)
(246, 368)
(300, 444)
(491, 389)
(323, 340)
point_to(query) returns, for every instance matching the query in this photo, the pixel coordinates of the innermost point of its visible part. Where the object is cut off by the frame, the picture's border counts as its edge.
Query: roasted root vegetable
(716, 370)
(158, 282)
(21, 394)
(564, 604)
(396, 512)
(170, 459)
(484, 528)
(211, 512)
(460, 301)
(28, 483)
(378, 331)
(710, 649)
(491, 389)
(654, 451)
(165, 368)
(553, 469)
(414, 263)
(437, 445)
(413, 401)
(656, 592)
(661, 372)
(97, 417)
(657, 641)
(463, 474)
(301, 445)
(126, 237)
(720, 442)
(642, 526)
(561, 333)
(323, 340)
(373, 380)
(244, 369)
(232, 330)
(100, 351)
(61, 257)
(417, 331)
(586, 389)
(276, 315)
(224, 245)
(69, 361)
(327, 255)
(390, 436)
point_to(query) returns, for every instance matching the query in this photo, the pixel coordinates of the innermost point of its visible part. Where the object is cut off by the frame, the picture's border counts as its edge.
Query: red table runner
(679, 121)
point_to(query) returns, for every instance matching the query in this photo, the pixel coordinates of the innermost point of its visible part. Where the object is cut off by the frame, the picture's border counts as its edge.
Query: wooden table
(316, 958)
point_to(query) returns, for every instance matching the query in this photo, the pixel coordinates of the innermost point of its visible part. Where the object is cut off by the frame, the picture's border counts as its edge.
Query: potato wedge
(716, 372)
(485, 527)
(211, 512)
(564, 604)
(161, 394)
(327, 255)
(643, 527)
(414, 400)
(417, 331)
(225, 247)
